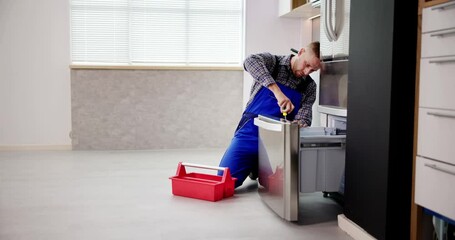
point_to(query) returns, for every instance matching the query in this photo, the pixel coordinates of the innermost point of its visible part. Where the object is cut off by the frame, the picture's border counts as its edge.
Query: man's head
(306, 61)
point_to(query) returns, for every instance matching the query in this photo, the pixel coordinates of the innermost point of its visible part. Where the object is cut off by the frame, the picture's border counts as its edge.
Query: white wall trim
(354, 230)
(4, 148)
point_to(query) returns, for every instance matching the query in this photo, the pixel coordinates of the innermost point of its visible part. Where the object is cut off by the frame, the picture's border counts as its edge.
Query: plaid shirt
(261, 66)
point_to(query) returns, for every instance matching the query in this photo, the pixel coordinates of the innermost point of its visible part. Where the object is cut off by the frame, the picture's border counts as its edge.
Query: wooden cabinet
(435, 161)
(429, 3)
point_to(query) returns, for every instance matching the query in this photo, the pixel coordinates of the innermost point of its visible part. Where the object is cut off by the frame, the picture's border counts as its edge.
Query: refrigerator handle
(326, 13)
(332, 32)
(276, 127)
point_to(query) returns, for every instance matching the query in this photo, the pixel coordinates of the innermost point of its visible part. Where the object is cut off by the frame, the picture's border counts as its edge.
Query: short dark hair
(314, 47)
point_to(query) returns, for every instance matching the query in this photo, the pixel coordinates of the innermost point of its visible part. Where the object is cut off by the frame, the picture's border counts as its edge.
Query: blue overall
(242, 154)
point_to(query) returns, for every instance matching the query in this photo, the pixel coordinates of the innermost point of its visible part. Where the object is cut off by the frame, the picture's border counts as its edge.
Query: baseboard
(354, 230)
(35, 147)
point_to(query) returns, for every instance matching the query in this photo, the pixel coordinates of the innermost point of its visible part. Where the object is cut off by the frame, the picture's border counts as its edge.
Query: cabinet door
(437, 82)
(439, 43)
(438, 17)
(284, 6)
(434, 186)
(436, 135)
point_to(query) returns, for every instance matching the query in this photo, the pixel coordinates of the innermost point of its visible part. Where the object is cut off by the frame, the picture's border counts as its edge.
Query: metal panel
(278, 166)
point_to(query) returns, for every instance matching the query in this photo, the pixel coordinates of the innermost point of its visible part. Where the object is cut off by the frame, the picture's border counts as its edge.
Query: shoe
(253, 176)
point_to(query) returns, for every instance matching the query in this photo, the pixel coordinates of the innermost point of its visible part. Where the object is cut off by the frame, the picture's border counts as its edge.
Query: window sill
(119, 67)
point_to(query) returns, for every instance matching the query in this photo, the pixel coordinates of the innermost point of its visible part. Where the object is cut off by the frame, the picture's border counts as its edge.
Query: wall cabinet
(435, 162)
(297, 9)
(429, 3)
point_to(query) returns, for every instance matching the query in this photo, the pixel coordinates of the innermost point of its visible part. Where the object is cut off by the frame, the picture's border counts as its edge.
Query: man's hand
(284, 102)
(301, 123)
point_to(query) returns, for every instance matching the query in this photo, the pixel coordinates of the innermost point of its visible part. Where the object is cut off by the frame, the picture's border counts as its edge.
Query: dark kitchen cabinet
(380, 129)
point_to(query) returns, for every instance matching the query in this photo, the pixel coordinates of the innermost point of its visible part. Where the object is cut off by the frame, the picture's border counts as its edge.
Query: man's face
(305, 64)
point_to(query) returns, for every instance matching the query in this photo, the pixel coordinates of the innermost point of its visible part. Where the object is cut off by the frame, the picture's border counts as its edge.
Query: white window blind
(157, 32)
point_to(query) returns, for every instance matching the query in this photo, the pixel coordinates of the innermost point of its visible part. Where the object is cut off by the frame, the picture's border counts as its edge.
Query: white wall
(35, 100)
(34, 73)
(266, 32)
(309, 34)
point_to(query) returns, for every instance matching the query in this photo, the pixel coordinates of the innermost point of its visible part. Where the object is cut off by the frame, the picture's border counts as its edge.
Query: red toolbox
(202, 186)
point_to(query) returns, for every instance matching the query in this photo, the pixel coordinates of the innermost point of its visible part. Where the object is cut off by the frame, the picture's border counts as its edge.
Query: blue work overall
(242, 154)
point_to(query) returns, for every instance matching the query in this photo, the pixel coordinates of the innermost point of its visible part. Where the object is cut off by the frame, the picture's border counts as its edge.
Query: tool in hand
(285, 114)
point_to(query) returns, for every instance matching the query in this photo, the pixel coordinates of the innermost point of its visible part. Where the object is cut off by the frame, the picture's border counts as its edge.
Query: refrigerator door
(278, 165)
(333, 88)
(334, 36)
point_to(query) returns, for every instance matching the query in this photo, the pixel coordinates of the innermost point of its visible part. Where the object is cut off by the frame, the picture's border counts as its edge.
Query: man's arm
(261, 67)
(305, 113)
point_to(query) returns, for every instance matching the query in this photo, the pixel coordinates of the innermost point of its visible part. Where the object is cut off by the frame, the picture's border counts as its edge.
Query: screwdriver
(284, 114)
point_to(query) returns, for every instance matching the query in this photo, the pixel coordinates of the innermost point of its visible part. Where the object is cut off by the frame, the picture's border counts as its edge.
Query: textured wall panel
(154, 109)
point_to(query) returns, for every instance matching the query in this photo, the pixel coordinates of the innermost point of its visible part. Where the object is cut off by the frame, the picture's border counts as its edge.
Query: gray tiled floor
(127, 195)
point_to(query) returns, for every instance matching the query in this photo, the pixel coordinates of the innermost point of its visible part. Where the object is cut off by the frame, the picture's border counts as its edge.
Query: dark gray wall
(381, 90)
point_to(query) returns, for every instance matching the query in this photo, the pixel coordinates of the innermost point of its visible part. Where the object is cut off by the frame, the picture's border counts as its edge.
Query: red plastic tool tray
(202, 186)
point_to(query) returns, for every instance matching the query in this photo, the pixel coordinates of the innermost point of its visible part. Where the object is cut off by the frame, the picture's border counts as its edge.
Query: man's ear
(302, 50)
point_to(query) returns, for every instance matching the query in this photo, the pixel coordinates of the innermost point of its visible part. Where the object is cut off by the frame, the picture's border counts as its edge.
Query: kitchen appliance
(334, 48)
(293, 160)
(278, 165)
(333, 88)
(334, 34)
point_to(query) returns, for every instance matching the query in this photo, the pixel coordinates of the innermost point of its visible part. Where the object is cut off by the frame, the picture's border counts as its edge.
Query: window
(157, 32)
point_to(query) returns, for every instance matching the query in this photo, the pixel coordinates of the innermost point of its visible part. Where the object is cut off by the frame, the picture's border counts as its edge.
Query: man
(281, 85)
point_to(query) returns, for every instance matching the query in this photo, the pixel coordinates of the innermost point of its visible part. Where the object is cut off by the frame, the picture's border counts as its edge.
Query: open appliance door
(278, 165)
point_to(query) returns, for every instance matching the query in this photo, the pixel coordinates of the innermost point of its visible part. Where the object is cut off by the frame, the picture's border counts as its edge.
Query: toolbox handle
(202, 166)
(227, 181)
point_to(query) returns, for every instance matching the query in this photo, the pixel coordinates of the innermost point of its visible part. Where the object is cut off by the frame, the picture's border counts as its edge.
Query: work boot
(253, 176)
